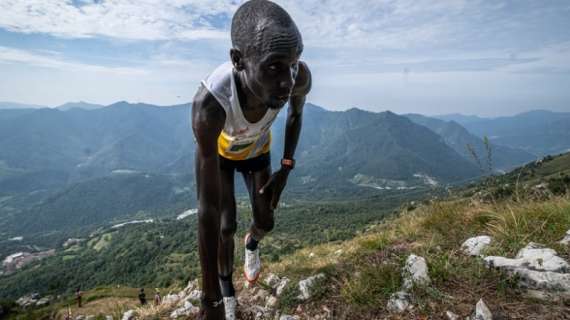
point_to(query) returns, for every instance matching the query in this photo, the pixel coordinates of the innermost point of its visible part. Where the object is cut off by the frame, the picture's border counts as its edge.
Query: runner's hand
(275, 185)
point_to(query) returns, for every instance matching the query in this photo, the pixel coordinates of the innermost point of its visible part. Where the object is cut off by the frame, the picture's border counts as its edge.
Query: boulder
(281, 286)
(534, 257)
(171, 299)
(415, 272)
(399, 302)
(276, 283)
(271, 280)
(474, 246)
(306, 286)
(44, 301)
(482, 312)
(546, 280)
(129, 315)
(288, 317)
(185, 311)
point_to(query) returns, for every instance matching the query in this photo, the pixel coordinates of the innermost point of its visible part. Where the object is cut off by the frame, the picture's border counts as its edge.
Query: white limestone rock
(194, 295)
(288, 317)
(306, 286)
(27, 301)
(546, 280)
(474, 246)
(280, 287)
(171, 299)
(271, 280)
(534, 257)
(482, 312)
(108, 317)
(191, 286)
(44, 301)
(129, 315)
(185, 311)
(276, 283)
(399, 302)
(451, 316)
(415, 272)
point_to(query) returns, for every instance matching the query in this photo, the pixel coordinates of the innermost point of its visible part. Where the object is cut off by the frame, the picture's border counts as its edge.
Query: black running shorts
(250, 165)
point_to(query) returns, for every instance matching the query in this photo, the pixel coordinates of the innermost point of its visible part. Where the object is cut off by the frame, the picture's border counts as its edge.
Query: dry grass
(363, 272)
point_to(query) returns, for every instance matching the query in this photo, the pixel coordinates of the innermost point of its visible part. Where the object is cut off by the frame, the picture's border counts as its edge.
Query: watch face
(288, 162)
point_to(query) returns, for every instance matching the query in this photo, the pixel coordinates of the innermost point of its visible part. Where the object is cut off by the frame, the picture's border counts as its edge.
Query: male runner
(231, 117)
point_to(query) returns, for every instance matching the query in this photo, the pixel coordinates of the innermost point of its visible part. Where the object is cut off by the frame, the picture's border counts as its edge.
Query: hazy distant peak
(79, 105)
(16, 105)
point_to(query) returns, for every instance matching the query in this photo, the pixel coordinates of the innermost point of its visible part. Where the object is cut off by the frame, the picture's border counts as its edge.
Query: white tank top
(240, 139)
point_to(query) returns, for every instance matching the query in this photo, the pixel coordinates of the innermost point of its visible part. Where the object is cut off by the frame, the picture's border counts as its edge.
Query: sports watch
(288, 163)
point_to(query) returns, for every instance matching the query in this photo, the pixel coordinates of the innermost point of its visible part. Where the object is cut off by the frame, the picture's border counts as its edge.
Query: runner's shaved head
(261, 26)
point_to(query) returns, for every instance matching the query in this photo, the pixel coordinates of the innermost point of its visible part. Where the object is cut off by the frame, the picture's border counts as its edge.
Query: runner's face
(271, 76)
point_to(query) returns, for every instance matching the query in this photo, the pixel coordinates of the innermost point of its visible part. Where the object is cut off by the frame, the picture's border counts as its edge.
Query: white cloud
(123, 19)
(379, 24)
(53, 60)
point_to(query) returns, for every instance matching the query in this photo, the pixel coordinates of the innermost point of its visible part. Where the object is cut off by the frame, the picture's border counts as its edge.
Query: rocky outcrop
(28, 301)
(415, 272)
(534, 257)
(306, 286)
(538, 269)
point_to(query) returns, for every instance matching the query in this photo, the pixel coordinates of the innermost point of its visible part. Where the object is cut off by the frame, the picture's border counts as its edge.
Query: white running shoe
(230, 304)
(252, 265)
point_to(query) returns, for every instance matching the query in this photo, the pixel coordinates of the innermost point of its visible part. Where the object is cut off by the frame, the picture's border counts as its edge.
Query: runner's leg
(228, 227)
(260, 203)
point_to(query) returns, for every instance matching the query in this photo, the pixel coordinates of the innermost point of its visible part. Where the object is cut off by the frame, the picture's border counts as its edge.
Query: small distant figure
(142, 297)
(157, 298)
(78, 295)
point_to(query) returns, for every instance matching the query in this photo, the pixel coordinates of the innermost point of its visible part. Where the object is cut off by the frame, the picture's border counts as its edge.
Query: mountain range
(72, 167)
(539, 132)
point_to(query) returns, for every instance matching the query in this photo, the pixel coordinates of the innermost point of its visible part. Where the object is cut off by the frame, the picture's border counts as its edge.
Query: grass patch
(371, 285)
(514, 226)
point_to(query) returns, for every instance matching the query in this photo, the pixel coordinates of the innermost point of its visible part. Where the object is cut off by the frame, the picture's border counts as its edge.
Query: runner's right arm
(208, 118)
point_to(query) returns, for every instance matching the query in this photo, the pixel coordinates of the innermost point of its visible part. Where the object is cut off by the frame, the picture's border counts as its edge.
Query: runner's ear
(237, 59)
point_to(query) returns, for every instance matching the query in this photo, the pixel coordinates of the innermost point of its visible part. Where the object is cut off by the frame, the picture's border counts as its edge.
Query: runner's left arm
(292, 131)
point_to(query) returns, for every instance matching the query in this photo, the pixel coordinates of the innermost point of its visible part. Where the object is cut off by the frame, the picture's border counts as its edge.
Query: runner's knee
(228, 229)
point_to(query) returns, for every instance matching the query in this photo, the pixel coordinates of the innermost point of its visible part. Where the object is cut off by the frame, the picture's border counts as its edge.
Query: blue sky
(433, 57)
